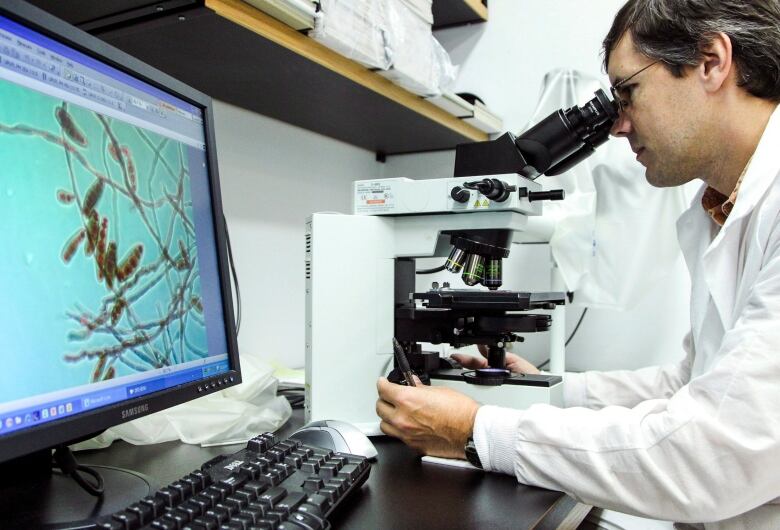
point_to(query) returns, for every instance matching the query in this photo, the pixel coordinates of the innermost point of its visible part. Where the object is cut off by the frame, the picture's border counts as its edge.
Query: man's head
(698, 67)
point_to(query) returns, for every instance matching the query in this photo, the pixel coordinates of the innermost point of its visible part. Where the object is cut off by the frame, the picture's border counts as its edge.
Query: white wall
(504, 61)
(273, 175)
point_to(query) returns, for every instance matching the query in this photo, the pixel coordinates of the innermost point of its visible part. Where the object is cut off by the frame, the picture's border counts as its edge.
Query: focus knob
(460, 195)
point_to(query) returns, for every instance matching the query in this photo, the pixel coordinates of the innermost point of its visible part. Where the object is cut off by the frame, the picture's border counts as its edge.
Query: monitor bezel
(79, 427)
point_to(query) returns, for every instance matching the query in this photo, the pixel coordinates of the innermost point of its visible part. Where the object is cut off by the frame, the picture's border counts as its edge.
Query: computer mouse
(336, 435)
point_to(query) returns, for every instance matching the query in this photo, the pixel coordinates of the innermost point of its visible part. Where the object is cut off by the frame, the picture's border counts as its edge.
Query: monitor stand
(32, 495)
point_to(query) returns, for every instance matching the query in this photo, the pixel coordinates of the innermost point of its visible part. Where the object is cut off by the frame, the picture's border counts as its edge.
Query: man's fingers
(389, 429)
(387, 391)
(384, 409)
(469, 361)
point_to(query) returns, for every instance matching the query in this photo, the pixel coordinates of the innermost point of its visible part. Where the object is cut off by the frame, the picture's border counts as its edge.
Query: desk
(401, 492)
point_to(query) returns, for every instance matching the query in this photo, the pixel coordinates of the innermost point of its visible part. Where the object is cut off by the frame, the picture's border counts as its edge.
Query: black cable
(545, 363)
(294, 394)
(64, 459)
(576, 327)
(235, 277)
(431, 271)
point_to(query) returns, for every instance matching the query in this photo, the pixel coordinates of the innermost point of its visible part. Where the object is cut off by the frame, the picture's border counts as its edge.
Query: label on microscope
(374, 197)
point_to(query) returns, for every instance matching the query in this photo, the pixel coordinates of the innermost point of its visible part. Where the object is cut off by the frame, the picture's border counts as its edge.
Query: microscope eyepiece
(567, 137)
(554, 145)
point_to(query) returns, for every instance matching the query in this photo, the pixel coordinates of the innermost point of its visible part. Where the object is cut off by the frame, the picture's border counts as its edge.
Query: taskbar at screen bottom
(42, 413)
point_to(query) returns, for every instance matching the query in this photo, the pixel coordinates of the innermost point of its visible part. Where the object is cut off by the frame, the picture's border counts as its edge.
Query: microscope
(360, 273)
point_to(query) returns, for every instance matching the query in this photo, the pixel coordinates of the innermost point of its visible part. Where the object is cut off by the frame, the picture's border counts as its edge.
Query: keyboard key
(246, 494)
(156, 504)
(331, 493)
(257, 444)
(111, 524)
(165, 523)
(275, 455)
(291, 502)
(328, 471)
(185, 489)
(289, 525)
(310, 467)
(320, 501)
(256, 487)
(128, 519)
(339, 484)
(293, 460)
(284, 469)
(170, 496)
(263, 524)
(272, 496)
(236, 500)
(215, 494)
(245, 519)
(204, 501)
(144, 512)
(182, 516)
(192, 508)
(273, 477)
(304, 452)
(312, 484)
(278, 517)
(218, 513)
(310, 508)
(349, 471)
(307, 520)
(263, 463)
(210, 523)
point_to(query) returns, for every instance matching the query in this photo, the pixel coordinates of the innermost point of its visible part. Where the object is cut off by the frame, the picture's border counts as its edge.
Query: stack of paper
(419, 63)
(299, 14)
(421, 8)
(355, 29)
(453, 104)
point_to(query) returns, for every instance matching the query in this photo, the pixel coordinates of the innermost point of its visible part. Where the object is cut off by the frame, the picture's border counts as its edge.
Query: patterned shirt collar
(717, 205)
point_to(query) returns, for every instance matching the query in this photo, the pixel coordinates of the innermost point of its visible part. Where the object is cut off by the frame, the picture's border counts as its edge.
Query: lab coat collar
(720, 257)
(761, 171)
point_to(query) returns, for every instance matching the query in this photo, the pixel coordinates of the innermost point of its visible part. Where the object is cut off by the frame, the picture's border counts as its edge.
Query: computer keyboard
(270, 485)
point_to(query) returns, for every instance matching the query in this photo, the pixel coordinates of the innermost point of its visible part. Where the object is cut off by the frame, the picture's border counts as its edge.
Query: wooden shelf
(458, 12)
(238, 54)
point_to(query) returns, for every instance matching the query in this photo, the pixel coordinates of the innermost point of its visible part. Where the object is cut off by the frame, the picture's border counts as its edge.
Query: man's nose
(622, 126)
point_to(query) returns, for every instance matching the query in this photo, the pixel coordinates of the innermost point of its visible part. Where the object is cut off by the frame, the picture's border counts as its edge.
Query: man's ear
(717, 65)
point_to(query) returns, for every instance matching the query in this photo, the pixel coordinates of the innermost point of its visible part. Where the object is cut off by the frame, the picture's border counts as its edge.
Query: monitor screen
(115, 301)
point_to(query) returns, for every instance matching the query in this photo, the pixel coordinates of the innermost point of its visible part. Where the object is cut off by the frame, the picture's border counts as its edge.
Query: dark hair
(674, 32)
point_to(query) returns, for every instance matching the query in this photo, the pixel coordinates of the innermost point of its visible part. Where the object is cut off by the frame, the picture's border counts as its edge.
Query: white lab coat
(695, 442)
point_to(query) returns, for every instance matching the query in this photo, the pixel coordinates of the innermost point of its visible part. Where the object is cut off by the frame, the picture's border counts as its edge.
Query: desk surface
(401, 492)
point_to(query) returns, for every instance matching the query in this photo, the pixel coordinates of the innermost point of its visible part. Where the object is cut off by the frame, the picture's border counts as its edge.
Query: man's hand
(514, 363)
(435, 421)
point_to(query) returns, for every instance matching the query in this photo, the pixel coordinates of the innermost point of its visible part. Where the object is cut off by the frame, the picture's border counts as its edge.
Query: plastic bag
(231, 416)
(356, 29)
(419, 63)
(614, 235)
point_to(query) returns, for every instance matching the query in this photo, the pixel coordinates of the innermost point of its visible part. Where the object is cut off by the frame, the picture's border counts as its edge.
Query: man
(698, 442)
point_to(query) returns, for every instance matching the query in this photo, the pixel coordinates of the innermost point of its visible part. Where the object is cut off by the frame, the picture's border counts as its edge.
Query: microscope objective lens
(493, 276)
(474, 270)
(456, 260)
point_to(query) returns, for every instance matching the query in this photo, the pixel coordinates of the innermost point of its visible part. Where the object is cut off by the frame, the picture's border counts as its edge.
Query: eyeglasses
(622, 94)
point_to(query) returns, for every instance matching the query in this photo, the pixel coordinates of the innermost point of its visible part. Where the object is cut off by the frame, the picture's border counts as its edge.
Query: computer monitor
(115, 299)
